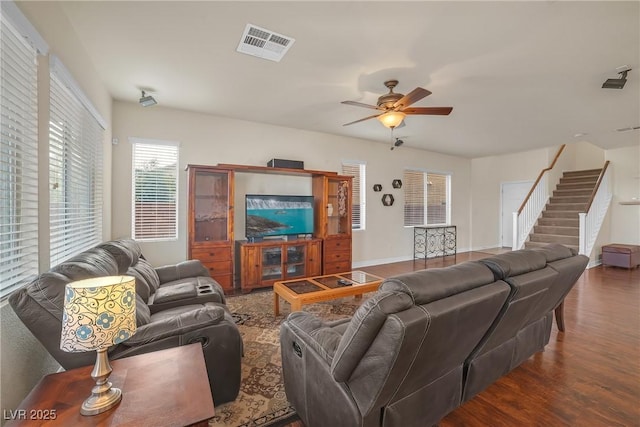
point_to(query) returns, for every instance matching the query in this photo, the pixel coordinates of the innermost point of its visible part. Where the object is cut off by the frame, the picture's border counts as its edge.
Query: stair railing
(531, 208)
(591, 220)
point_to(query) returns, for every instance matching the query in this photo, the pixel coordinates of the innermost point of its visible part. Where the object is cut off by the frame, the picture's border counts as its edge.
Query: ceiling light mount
(147, 100)
(619, 82)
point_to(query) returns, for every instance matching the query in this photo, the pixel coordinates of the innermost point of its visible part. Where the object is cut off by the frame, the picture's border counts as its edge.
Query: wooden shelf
(279, 171)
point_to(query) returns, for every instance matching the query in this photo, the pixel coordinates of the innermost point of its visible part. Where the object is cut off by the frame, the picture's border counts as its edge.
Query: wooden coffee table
(310, 290)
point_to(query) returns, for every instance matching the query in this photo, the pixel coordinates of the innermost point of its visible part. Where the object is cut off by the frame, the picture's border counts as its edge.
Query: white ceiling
(519, 75)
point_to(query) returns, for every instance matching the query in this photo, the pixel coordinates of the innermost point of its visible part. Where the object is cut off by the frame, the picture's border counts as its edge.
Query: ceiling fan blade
(362, 120)
(360, 104)
(415, 95)
(437, 111)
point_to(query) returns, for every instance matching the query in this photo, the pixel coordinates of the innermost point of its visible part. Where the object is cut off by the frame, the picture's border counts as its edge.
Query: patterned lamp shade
(98, 313)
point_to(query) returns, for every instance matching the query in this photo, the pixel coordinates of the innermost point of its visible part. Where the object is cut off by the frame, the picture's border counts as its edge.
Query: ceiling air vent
(263, 43)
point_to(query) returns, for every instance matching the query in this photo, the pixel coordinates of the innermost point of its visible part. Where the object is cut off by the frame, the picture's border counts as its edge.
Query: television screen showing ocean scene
(278, 215)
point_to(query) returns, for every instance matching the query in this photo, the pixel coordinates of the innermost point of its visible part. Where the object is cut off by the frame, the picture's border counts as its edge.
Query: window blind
(437, 196)
(358, 202)
(18, 160)
(155, 183)
(426, 198)
(413, 185)
(75, 173)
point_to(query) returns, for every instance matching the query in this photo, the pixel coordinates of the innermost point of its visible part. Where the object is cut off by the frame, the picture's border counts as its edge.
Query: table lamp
(99, 313)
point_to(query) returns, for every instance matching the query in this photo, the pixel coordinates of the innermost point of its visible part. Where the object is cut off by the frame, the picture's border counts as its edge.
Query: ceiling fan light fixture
(392, 119)
(147, 100)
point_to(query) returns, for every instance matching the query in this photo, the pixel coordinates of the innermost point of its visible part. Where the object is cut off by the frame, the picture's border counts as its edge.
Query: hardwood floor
(586, 376)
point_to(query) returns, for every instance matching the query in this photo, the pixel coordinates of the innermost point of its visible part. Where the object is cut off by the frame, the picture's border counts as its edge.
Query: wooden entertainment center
(261, 263)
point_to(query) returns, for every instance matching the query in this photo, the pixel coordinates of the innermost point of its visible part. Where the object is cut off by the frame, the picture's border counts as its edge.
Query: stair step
(554, 238)
(575, 186)
(569, 199)
(582, 172)
(560, 214)
(591, 180)
(530, 245)
(577, 207)
(558, 230)
(573, 192)
(559, 222)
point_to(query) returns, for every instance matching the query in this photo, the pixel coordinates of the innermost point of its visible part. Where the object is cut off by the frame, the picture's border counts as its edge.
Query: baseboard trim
(594, 263)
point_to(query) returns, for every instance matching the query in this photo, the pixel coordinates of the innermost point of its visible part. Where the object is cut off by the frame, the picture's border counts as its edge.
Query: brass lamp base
(97, 404)
(103, 396)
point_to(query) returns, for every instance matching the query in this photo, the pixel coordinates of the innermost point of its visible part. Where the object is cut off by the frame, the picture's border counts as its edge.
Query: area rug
(262, 400)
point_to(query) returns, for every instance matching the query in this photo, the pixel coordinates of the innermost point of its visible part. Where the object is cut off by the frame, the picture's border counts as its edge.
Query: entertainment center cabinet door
(314, 258)
(249, 267)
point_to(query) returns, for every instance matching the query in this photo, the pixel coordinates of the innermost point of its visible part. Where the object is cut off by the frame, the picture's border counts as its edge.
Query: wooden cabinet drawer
(224, 280)
(337, 267)
(337, 256)
(336, 245)
(218, 267)
(211, 254)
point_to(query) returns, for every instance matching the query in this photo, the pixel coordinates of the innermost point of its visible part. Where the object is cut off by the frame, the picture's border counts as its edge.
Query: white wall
(625, 219)
(206, 139)
(23, 360)
(487, 174)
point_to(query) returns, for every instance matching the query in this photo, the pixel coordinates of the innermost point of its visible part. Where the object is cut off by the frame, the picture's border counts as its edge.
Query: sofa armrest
(316, 333)
(181, 270)
(178, 325)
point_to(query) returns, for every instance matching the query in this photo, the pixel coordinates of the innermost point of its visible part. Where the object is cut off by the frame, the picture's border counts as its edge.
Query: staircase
(559, 222)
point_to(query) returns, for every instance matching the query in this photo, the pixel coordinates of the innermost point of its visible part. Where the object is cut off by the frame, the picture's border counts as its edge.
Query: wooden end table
(310, 290)
(163, 388)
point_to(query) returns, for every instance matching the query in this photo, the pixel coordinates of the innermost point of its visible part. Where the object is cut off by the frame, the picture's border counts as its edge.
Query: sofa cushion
(124, 252)
(433, 284)
(143, 314)
(515, 263)
(363, 328)
(555, 252)
(181, 270)
(147, 281)
(174, 293)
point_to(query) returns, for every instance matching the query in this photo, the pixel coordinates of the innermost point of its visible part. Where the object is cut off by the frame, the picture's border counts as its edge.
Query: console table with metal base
(434, 241)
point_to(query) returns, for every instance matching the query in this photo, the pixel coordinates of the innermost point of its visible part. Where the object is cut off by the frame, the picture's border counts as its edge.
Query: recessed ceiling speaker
(617, 83)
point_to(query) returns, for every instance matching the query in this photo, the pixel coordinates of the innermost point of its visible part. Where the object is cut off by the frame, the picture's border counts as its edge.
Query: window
(75, 168)
(155, 184)
(358, 202)
(18, 159)
(426, 198)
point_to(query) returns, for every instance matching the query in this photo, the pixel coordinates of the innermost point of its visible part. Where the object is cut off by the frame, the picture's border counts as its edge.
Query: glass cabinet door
(338, 207)
(296, 261)
(211, 206)
(272, 263)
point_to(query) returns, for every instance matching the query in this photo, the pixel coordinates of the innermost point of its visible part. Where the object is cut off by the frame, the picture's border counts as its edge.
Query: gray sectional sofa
(175, 305)
(427, 341)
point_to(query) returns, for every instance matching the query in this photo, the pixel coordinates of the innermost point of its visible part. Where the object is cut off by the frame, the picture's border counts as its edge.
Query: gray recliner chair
(177, 314)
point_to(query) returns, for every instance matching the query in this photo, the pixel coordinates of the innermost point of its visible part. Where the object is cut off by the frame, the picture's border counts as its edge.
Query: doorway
(511, 196)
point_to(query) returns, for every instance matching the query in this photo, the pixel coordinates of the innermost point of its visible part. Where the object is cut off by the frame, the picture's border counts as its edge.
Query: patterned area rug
(262, 401)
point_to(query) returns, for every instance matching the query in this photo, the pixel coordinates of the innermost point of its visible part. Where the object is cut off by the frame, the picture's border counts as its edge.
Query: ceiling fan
(394, 107)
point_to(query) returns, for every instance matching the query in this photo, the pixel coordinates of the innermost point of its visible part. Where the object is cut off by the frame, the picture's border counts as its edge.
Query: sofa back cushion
(430, 285)
(125, 252)
(147, 280)
(515, 263)
(363, 329)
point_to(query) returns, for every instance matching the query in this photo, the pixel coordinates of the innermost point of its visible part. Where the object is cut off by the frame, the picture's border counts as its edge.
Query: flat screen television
(269, 215)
